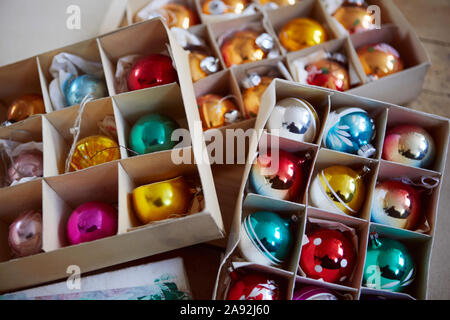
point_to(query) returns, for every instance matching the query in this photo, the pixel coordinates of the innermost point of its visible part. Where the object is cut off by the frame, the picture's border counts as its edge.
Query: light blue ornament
(77, 88)
(350, 130)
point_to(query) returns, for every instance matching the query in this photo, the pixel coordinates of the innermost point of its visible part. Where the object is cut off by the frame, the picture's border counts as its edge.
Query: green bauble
(152, 133)
(389, 265)
(266, 238)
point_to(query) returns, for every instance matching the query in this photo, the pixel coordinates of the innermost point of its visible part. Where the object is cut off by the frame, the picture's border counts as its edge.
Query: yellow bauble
(162, 200)
(301, 33)
(338, 188)
(252, 97)
(94, 150)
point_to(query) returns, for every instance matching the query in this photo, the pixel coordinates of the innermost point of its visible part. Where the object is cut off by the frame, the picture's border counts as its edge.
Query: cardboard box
(58, 194)
(395, 29)
(385, 115)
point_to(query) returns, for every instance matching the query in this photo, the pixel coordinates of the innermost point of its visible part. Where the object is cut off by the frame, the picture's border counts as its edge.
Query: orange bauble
(214, 109)
(252, 97)
(380, 60)
(25, 106)
(354, 18)
(215, 7)
(176, 15)
(242, 48)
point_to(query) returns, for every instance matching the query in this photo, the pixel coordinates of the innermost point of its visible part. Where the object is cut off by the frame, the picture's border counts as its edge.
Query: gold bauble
(301, 33)
(94, 150)
(162, 200)
(252, 97)
(215, 7)
(354, 18)
(25, 106)
(197, 73)
(344, 187)
(175, 15)
(213, 109)
(380, 60)
(242, 48)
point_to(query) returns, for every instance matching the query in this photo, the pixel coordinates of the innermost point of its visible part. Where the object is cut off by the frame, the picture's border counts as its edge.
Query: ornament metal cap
(265, 42)
(367, 151)
(373, 236)
(252, 80)
(209, 64)
(6, 124)
(232, 116)
(217, 7)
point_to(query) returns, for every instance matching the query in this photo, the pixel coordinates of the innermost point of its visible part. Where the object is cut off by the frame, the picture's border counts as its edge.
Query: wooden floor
(430, 19)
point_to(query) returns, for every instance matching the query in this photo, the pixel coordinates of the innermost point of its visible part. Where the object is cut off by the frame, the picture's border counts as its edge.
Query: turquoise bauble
(350, 130)
(152, 133)
(77, 88)
(266, 238)
(389, 265)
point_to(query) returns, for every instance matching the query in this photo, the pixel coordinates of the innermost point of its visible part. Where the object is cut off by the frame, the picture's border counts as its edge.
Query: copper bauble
(25, 234)
(329, 74)
(242, 48)
(252, 97)
(301, 33)
(25, 106)
(214, 110)
(380, 60)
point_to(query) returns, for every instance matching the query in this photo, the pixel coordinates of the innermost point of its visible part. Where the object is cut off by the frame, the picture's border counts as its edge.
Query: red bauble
(254, 287)
(279, 177)
(151, 71)
(329, 255)
(328, 74)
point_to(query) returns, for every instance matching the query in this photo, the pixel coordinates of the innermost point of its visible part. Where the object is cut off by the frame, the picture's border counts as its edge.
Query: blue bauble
(266, 238)
(77, 88)
(350, 130)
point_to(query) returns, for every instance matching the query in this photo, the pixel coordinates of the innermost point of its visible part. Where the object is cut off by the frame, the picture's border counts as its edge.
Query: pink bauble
(27, 164)
(92, 221)
(25, 234)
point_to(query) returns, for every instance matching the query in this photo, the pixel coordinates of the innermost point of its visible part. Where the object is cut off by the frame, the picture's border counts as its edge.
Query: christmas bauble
(300, 33)
(151, 71)
(294, 119)
(266, 238)
(328, 74)
(396, 204)
(338, 189)
(202, 65)
(254, 287)
(380, 60)
(350, 130)
(354, 16)
(92, 221)
(410, 145)
(25, 106)
(314, 293)
(78, 88)
(94, 150)
(389, 266)
(252, 97)
(216, 111)
(178, 15)
(27, 164)
(25, 234)
(246, 46)
(215, 7)
(329, 255)
(278, 174)
(277, 3)
(153, 133)
(162, 200)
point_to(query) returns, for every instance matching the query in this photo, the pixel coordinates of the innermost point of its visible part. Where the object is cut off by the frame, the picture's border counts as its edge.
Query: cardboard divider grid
(111, 182)
(385, 115)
